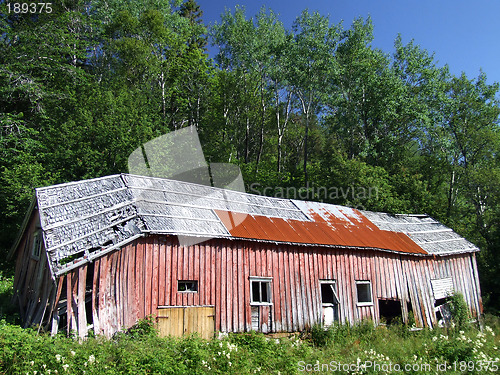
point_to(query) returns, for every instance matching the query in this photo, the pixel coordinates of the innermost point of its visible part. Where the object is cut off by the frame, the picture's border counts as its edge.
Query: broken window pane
(187, 286)
(327, 293)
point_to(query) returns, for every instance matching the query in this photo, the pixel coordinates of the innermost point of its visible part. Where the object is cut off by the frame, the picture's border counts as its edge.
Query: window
(37, 244)
(364, 292)
(328, 293)
(187, 286)
(260, 290)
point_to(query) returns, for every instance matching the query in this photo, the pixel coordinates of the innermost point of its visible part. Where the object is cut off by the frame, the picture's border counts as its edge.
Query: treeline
(306, 109)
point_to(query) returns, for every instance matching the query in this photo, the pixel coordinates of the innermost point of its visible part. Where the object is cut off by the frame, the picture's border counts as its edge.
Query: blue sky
(463, 34)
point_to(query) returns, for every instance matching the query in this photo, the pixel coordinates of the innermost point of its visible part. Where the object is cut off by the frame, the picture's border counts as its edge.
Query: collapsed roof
(84, 220)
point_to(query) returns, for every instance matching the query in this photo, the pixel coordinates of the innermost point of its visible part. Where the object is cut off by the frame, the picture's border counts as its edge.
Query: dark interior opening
(440, 301)
(263, 287)
(327, 295)
(255, 291)
(62, 307)
(88, 293)
(390, 310)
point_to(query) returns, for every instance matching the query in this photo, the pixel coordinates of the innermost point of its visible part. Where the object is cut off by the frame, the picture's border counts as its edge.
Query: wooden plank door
(178, 321)
(201, 320)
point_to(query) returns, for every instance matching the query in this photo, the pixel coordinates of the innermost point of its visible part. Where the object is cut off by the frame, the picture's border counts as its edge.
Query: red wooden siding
(132, 283)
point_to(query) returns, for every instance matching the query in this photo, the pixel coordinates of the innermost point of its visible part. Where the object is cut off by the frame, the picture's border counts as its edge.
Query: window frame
(260, 280)
(179, 282)
(36, 246)
(364, 282)
(334, 290)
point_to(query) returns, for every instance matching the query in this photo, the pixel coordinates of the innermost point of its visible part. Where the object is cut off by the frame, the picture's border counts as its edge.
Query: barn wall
(34, 289)
(461, 268)
(130, 284)
(127, 285)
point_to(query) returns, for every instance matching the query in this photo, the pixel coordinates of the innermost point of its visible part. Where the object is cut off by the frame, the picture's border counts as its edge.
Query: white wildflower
(32, 363)
(91, 359)
(58, 357)
(229, 363)
(65, 367)
(72, 353)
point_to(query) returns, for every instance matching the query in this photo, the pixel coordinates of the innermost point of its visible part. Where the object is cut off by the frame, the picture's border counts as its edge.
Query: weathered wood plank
(82, 315)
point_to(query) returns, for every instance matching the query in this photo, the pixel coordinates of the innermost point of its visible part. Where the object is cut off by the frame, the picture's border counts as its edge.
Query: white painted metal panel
(442, 288)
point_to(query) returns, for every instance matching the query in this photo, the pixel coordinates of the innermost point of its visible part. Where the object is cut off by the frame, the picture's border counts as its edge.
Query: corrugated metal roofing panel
(332, 232)
(429, 234)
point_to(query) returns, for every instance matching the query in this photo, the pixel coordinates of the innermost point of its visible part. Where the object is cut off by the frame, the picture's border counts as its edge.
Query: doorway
(329, 302)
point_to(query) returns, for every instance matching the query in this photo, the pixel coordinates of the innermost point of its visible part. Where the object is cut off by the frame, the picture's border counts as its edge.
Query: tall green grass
(363, 347)
(140, 351)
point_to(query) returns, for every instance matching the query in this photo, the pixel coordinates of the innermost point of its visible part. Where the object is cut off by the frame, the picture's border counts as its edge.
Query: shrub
(144, 327)
(459, 310)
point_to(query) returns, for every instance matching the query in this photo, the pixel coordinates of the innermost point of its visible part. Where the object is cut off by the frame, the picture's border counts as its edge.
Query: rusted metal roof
(329, 225)
(84, 220)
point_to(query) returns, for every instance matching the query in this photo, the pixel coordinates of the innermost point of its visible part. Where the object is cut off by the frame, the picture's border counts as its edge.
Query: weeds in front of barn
(461, 349)
(141, 351)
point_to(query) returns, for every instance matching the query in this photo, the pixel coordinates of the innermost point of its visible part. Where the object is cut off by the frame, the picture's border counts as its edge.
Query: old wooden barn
(101, 254)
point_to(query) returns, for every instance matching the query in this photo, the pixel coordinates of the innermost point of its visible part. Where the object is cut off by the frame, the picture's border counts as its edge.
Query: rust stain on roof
(341, 227)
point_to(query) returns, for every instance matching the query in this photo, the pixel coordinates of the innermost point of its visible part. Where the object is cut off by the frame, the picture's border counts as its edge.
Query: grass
(342, 349)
